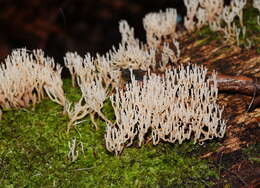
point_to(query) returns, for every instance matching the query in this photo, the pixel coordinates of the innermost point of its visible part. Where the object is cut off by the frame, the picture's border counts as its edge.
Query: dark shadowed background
(71, 25)
(58, 26)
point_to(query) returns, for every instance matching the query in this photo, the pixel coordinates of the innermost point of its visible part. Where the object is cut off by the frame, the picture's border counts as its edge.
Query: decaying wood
(241, 84)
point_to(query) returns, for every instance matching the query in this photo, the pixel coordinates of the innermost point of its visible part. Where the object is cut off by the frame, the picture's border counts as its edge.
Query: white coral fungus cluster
(174, 107)
(99, 75)
(178, 106)
(159, 26)
(133, 57)
(94, 76)
(216, 15)
(25, 77)
(133, 54)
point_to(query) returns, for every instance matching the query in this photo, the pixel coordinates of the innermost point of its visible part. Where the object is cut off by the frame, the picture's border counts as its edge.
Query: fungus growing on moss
(178, 106)
(25, 77)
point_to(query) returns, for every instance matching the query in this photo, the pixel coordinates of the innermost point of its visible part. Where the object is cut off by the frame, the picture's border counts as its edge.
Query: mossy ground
(34, 148)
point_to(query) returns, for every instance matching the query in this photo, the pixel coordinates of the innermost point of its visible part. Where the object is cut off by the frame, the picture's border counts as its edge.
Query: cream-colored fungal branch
(218, 17)
(189, 19)
(95, 94)
(123, 132)
(95, 78)
(175, 107)
(92, 67)
(229, 13)
(73, 149)
(160, 26)
(213, 9)
(201, 19)
(76, 112)
(133, 57)
(71, 60)
(110, 75)
(25, 77)
(127, 34)
(168, 55)
(50, 75)
(238, 6)
(202, 12)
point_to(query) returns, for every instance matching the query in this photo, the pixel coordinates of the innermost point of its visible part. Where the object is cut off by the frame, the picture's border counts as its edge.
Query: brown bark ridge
(243, 85)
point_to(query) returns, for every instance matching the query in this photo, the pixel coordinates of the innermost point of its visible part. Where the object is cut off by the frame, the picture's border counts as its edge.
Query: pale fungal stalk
(127, 34)
(231, 30)
(201, 16)
(168, 55)
(76, 112)
(73, 154)
(70, 60)
(238, 6)
(192, 6)
(213, 9)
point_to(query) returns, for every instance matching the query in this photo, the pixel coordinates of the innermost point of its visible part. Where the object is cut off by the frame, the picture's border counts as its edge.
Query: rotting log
(241, 84)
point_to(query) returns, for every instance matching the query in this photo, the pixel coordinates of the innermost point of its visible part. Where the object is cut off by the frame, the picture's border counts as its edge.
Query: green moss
(72, 93)
(250, 15)
(204, 31)
(34, 148)
(258, 50)
(205, 35)
(252, 153)
(252, 28)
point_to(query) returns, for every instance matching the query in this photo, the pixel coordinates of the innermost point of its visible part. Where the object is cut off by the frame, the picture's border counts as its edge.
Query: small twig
(82, 169)
(79, 122)
(26, 110)
(252, 101)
